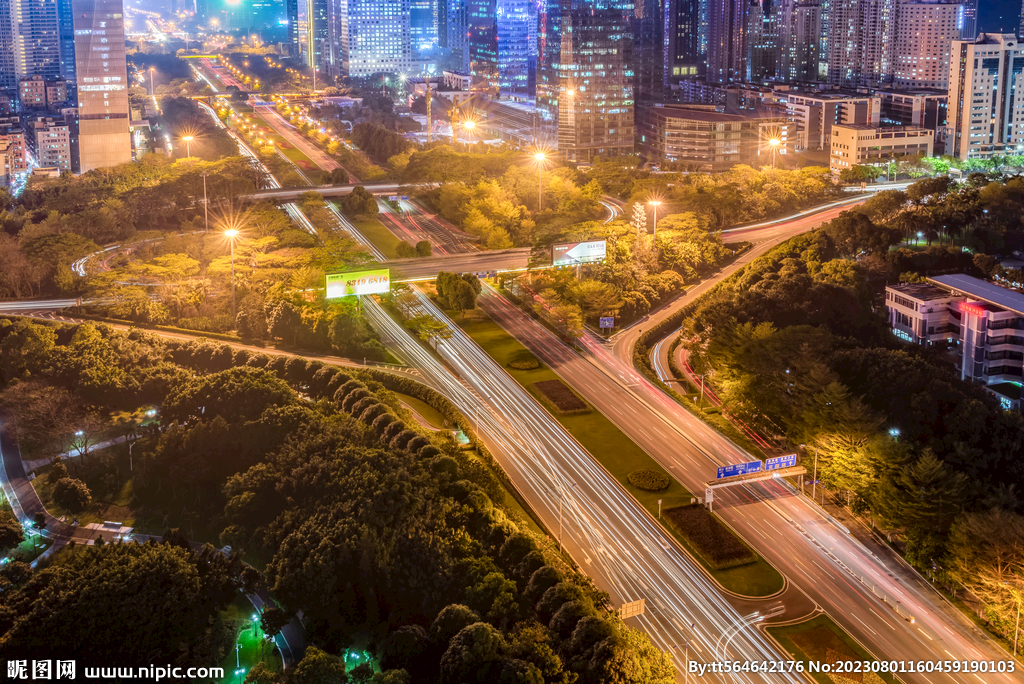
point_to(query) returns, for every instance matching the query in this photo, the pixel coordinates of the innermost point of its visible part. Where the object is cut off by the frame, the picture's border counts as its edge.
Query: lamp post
(468, 126)
(231, 234)
(188, 144)
(773, 144)
(206, 206)
(655, 204)
(152, 88)
(814, 480)
(540, 157)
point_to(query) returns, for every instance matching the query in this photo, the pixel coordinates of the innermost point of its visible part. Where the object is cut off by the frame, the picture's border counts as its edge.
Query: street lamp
(540, 157)
(231, 234)
(188, 144)
(655, 204)
(152, 89)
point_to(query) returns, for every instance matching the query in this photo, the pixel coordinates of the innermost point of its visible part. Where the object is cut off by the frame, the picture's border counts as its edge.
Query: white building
(924, 33)
(985, 322)
(859, 144)
(50, 140)
(986, 108)
(376, 37)
(815, 113)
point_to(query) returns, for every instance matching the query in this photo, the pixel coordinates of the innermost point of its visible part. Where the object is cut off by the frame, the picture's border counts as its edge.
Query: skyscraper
(452, 33)
(517, 47)
(860, 42)
(549, 50)
(985, 112)
(728, 26)
(318, 34)
(970, 29)
(595, 79)
(66, 39)
(291, 9)
(483, 40)
(683, 19)
(377, 38)
(423, 27)
(799, 40)
(650, 49)
(763, 40)
(923, 36)
(36, 38)
(103, 137)
(8, 69)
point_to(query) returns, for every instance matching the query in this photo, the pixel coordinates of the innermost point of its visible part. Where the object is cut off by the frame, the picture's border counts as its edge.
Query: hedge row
(709, 537)
(560, 397)
(649, 480)
(73, 311)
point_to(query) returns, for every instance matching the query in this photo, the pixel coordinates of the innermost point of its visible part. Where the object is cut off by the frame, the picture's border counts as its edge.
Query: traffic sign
(787, 461)
(739, 469)
(631, 609)
(392, 198)
(607, 321)
(405, 197)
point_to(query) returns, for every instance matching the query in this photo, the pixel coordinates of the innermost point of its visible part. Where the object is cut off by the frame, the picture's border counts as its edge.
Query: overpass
(407, 270)
(376, 188)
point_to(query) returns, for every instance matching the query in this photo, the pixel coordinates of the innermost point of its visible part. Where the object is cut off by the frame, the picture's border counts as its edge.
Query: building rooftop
(922, 292)
(982, 290)
(687, 112)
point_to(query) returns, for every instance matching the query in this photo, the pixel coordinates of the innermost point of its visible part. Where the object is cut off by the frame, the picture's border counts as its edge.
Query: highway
(296, 139)
(415, 223)
(609, 535)
(377, 188)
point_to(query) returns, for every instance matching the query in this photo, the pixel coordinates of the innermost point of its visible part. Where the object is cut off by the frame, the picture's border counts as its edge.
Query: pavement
(427, 268)
(415, 223)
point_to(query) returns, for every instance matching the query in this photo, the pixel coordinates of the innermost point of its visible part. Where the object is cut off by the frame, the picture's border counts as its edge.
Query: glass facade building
(517, 48)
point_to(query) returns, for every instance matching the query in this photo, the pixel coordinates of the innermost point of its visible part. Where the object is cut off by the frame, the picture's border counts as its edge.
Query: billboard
(572, 253)
(359, 283)
(607, 321)
(739, 469)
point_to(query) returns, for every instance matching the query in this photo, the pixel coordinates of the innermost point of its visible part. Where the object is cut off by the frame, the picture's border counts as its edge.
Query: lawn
(108, 475)
(425, 410)
(822, 640)
(616, 452)
(28, 550)
(249, 637)
(382, 238)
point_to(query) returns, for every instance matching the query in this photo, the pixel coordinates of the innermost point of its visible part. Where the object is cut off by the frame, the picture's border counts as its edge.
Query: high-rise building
(422, 27)
(986, 114)
(685, 54)
(103, 114)
(799, 40)
(923, 36)
(291, 10)
(728, 29)
(452, 33)
(376, 39)
(549, 49)
(595, 79)
(860, 42)
(970, 29)
(763, 41)
(8, 69)
(66, 39)
(650, 50)
(483, 40)
(36, 38)
(318, 29)
(517, 47)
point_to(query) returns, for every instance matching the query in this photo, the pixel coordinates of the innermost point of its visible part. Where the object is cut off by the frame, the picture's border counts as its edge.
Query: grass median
(821, 640)
(382, 238)
(619, 454)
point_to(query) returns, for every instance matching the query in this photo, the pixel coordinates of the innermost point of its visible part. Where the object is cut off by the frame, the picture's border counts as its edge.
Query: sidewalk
(40, 462)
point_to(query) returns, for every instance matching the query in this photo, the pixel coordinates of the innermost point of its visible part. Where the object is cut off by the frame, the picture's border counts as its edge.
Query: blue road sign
(405, 197)
(739, 469)
(608, 321)
(392, 198)
(780, 462)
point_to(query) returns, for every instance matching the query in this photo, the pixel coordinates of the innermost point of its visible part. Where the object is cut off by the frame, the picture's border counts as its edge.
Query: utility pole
(430, 124)
(454, 112)
(206, 207)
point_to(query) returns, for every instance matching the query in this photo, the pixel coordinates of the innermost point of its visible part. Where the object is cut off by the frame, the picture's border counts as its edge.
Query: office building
(924, 33)
(728, 29)
(816, 112)
(483, 41)
(291, 10)
(986, 113)
(49, 138)
(853, 145)
(984, 321)
(36, 38)
(860, 42)
(376, 38)
(705, 140)
(595, 79)
(318, 32)
(103, 115)
(970, 27)
(686, 58)
(422, 27)
(763, 41)
(517, 48)
(649, 50)
(549, 50)
(799, 40)
(66, 40)
(453, 34)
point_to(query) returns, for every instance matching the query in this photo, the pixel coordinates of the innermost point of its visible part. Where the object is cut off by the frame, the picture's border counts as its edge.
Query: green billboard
(359, 283)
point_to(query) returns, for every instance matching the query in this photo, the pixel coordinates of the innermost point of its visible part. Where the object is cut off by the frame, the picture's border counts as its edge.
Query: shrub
(354, 397)
(402, 438)
(417, 443)
(356, 408)
(381, 422)
(712, 540)
(259, 360)
(392, 430)
(560, 397)
(372, 412)
(523, 360)
(649, 480)
(72, 494)
(429, 451)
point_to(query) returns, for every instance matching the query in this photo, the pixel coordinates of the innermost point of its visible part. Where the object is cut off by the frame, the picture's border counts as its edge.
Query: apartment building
(815, 113)
(49, 138)
(924, 32)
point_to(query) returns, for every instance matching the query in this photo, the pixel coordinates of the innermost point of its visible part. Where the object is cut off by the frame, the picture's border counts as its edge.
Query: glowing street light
(655, 204)
(231, 234)
(188, 144)
(540, 158)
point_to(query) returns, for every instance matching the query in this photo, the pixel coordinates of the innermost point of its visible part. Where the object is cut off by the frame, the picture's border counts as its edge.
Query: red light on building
(972, 309)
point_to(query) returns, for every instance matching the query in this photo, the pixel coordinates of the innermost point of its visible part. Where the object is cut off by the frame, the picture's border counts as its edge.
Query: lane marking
(865, 624)
(887, 623)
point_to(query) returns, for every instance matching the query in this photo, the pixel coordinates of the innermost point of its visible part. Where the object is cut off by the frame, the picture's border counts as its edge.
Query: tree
(424, 248)
(26, 349)
(474, 655)
(273, 620)
(860, 173)
(429, 329)
(359, 202)
(283, 321)
(11, 532)
(464, 297)
(595, 298)
(317, 667)
(72, 494)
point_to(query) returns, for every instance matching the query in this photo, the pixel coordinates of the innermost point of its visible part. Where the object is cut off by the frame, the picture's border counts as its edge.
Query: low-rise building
(854, 145)
(36, 92)
(12, 141)
(49, 138)
(921, 107)
(707, 140)
(985, 323)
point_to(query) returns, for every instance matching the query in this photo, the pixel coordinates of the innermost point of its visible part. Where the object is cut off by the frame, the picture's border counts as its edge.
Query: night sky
(999, 15)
